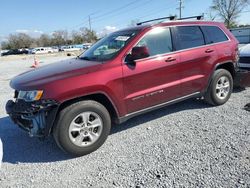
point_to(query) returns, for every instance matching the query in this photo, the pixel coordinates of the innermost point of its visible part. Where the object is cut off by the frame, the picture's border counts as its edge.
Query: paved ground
(185, 145)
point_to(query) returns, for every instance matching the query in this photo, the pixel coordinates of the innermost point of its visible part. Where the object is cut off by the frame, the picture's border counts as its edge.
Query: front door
(155, 79)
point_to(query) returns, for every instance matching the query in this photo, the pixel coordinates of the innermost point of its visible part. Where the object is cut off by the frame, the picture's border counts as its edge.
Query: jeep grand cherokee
(129, 72)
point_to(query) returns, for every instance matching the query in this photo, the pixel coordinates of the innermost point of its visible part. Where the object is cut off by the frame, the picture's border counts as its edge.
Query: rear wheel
(82, 127)
(220, 88)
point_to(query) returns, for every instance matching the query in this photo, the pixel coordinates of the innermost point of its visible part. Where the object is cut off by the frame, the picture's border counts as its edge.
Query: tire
(79, 137)
(220, 88)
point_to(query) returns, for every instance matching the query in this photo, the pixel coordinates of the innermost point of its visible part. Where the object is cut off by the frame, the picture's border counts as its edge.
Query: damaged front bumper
(36, 117)
(242, 78)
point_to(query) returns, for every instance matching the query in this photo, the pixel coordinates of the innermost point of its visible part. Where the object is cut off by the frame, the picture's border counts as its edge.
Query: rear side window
(213, 34)
(189, 37)
(158, 41)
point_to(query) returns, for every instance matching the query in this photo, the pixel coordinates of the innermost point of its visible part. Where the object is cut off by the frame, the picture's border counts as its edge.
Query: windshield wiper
(85, 58)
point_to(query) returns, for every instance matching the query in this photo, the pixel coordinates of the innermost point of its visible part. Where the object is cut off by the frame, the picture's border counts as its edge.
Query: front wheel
(82, 127)
(220, 88)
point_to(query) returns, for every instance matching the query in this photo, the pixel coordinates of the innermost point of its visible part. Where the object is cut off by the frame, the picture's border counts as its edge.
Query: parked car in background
(55, 49)
(15, 52)
(70, 48)
(3, 51)
(242, 34)
(244, 53)
(86, 46)
(43, 50)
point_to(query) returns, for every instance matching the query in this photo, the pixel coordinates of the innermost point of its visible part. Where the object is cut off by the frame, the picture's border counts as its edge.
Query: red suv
(129, 72)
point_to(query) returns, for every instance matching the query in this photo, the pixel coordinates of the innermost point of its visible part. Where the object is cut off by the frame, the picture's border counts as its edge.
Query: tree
(5, 45)
(17, 41)
(229, 10)
(88, 35)
(77, 37)
(59, 37)
(44, 40)
(211, 14)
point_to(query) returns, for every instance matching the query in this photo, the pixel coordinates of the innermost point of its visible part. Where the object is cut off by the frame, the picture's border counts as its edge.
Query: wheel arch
(102, 98)
(228, 65)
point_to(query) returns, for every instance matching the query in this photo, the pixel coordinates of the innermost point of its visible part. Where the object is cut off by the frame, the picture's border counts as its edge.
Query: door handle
(209, 51)
(170, 59)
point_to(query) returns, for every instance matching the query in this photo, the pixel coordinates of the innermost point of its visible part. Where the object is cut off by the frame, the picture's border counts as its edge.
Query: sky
(45, 16)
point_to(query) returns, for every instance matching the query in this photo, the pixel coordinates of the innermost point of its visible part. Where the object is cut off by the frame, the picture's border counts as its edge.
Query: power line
(151, 12)
(125, 10)
(98, 18)
(116, 9)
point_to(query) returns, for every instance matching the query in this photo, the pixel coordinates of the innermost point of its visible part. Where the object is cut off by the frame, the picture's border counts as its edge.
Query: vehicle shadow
(238, 89)
(155, 114)
(20, 148)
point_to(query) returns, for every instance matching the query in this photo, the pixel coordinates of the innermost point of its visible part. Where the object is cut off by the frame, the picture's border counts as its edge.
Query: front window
(158, 41)
(108, 47)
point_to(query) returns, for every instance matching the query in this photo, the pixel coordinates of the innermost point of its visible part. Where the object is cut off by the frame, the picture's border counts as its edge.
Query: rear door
(155, 79)
(217, 39)
(196, 58)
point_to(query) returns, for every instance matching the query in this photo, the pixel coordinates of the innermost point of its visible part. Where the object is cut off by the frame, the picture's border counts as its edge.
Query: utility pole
(90, 24)
(180, 8)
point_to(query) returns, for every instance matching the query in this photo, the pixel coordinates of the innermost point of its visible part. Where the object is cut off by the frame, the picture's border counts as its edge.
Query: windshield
(108, 47)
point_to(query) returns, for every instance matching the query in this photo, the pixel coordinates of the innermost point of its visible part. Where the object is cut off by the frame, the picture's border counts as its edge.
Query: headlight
(30, 95)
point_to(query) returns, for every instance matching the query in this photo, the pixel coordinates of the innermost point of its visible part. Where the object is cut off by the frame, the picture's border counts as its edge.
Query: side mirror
(137, 53)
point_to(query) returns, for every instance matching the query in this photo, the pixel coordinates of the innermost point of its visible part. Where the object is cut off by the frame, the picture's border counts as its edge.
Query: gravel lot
(189, 144)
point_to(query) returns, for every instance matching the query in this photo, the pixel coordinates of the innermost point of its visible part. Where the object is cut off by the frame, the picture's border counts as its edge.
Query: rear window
(189, 37)
(213, 34)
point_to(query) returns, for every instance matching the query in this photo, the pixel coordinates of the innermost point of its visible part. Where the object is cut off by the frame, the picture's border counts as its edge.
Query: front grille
(245, 60)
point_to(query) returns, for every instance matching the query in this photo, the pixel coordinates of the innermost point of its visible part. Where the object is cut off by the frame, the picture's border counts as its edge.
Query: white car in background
(70, 48)
(43, 50)
(86, 46)
(3, 51)
(244, 61)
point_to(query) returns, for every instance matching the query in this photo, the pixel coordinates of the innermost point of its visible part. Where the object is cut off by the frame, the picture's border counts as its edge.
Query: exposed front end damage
(36, 117)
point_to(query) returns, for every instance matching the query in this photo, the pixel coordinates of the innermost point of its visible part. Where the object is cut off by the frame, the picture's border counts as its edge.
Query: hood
(56, 71)
(245, 50)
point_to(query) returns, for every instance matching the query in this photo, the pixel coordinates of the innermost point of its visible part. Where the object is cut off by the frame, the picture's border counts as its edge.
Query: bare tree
(88, 35)
(229, 10)
(44, 40)
(59, 37)
(77, 37)
(17, 41)
(5, 45)
(211, 14)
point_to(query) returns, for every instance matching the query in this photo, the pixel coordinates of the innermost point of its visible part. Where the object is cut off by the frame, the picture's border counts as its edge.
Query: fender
(89, 94)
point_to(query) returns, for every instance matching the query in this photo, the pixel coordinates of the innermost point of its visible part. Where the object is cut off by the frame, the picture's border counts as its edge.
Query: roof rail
(200, 17)
(163, 18)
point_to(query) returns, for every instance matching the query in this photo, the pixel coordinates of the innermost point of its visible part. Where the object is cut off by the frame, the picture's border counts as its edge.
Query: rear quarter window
(213, 34)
